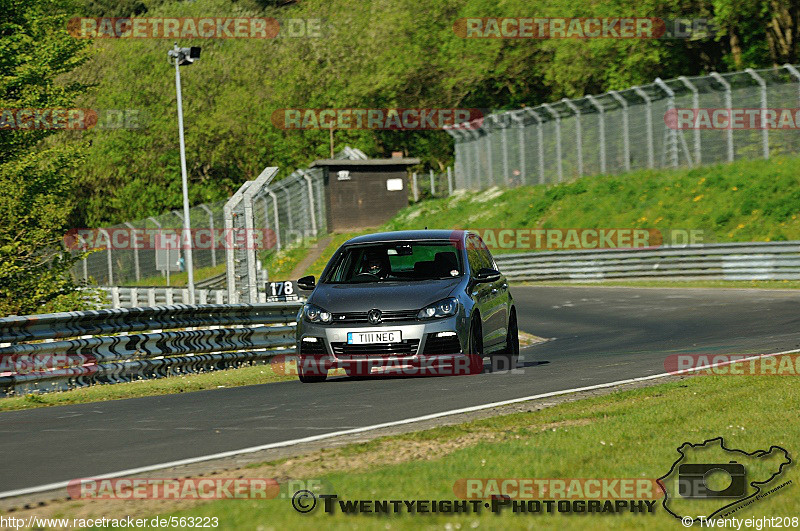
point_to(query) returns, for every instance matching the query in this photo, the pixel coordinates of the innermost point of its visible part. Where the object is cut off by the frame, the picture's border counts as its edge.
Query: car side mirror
(487, 274)
(306, 283)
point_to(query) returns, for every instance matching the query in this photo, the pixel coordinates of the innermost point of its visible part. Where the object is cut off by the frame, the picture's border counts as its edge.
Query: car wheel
(507, 358)
(475, 348)
(309, 371)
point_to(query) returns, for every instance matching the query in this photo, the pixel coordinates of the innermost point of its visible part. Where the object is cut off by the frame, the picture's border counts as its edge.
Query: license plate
(364, 338)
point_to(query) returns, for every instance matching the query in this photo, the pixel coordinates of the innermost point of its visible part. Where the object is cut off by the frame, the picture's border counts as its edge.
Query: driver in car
(376, 265)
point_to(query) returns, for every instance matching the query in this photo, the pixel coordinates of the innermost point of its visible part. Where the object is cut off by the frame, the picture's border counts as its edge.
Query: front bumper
(421, 345)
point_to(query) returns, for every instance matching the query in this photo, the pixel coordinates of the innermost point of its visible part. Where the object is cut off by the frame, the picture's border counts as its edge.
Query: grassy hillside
(754, 200)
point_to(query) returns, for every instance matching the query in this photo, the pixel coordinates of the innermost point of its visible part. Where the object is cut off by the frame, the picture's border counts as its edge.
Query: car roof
(408, 235)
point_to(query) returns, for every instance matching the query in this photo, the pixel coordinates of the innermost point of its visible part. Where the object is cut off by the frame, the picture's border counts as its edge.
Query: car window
(396, 262)
(487, 256)
(477, 255)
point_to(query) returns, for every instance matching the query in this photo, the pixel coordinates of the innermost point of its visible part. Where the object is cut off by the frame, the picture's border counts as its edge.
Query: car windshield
(398, 261)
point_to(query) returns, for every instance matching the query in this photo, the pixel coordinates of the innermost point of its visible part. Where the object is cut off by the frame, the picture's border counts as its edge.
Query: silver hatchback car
(428, 302)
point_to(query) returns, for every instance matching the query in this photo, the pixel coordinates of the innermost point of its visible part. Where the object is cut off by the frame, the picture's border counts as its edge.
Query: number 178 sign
(281, 291)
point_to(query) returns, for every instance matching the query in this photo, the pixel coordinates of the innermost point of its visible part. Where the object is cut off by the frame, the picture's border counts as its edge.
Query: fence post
(160, 234)
(626, 139)
(501, 122)
(250, 251)
(728, 104)
(115, 297)
(230, 263)
(489, 161)
(109, 263)
(85, 263)
(793, 71)
(311, 204)
(178, 214)
(433, 184)
(230, 241)
(168, 295)
(698, 151)
(476, 154)
(288, 206)
(540, 141)
(414, 186)
(578, 133)
(449, 181)
(559, 164)
(673, 137)
(466, 164)
(602, 129)
(151, 297)
(521, 140)
(764, 130)
(651, 158)
(274, 197)
(133, 239)
(213, 234)
(461, 153)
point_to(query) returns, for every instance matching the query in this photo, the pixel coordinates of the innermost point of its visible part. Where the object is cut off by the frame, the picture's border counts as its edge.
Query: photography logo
(710, 480)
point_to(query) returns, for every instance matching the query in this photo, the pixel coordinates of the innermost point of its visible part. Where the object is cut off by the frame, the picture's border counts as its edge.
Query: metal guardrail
(59, 351)
(723, 261)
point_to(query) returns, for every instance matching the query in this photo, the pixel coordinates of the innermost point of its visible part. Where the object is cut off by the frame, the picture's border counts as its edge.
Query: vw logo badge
(374, 316)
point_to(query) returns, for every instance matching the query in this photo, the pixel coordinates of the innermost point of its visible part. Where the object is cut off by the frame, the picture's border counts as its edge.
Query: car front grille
(403, 348)
(388, 316)
(441, 345)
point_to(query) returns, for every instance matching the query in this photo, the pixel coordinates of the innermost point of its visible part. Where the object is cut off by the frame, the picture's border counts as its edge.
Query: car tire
(507, 358)
(308, 374)
(475, 348)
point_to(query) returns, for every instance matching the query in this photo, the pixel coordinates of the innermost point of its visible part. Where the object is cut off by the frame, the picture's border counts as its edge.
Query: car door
(480, 292)
(498, 302)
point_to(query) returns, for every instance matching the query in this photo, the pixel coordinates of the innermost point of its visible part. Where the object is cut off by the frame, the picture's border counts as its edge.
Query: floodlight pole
(187, 228)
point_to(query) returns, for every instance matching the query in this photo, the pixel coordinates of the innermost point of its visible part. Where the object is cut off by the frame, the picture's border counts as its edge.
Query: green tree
(37, 198)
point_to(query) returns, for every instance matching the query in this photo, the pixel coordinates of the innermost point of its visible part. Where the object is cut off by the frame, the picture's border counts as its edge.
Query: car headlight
(315, 314)
(443, 308)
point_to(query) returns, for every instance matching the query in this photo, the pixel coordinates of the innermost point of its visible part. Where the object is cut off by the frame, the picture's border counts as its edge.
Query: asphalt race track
(601, 335)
